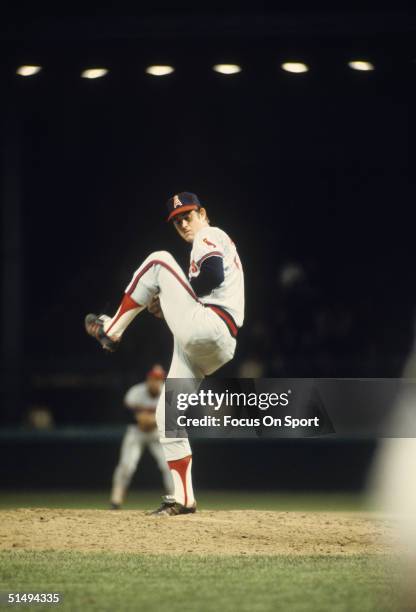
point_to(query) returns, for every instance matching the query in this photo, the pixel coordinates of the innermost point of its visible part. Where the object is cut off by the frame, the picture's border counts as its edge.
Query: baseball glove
(94, 326)
(154, 308)
(146, 420)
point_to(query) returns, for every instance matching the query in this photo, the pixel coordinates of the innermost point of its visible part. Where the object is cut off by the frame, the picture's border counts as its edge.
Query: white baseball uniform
(135, 442)
(204, 329)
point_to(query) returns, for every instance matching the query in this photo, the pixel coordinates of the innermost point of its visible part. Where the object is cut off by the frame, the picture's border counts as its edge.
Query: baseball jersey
(139, 396)
(214, 242)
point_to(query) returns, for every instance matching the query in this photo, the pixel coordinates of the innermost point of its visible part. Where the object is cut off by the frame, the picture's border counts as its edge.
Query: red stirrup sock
(182, 480)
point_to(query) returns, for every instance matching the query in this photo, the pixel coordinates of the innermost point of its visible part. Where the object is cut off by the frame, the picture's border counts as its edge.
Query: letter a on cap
(176, 202)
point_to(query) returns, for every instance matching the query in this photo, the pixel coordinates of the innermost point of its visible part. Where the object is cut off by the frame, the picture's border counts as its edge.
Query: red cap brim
(182, 209)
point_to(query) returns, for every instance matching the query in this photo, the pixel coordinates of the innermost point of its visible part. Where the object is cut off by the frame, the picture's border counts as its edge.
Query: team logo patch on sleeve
(209, 243)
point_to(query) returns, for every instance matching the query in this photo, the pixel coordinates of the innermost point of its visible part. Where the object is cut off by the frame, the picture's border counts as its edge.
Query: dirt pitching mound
(204, 533)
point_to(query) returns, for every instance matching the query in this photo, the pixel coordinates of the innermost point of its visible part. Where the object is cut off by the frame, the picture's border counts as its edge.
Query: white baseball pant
(202, 341)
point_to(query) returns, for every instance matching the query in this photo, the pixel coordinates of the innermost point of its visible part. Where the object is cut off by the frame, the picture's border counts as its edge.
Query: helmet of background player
(155, 379)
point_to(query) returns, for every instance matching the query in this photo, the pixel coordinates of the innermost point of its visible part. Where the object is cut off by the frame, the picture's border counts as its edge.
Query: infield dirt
(204, 533)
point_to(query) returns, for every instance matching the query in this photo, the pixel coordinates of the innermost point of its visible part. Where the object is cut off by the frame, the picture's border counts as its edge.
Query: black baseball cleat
(114, 506)
(170, 507)
(94, 326)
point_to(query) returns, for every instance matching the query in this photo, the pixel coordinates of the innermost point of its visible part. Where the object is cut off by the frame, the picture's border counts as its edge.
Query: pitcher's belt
(226, 317)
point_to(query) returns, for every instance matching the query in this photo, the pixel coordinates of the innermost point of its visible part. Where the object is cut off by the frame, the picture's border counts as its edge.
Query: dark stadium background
(312, 174)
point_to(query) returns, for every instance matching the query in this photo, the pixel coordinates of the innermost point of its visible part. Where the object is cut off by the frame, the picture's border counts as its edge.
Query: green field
(207, 500)
(195, 583)
(149, 583)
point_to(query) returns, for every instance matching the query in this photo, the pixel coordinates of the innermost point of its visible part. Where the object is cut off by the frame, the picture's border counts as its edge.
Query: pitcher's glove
(154, 308)
(94, 326)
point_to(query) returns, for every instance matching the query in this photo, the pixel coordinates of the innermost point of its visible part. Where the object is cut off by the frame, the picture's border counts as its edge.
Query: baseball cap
(156, 372)
(182, 202)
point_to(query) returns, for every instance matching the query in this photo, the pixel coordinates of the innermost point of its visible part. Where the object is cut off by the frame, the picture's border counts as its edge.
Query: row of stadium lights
(163, 70)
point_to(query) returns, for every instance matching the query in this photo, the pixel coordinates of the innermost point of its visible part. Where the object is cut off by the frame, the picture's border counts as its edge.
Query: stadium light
(295, 67)
(94, 73)
(227, 68)
(27, 70)
(160, 70)
(362, 65)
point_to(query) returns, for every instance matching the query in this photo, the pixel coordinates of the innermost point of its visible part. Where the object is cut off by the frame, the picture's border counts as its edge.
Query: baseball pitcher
(203, 313)
(141, 401)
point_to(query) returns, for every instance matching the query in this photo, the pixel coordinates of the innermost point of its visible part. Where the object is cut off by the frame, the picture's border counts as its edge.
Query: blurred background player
(393, 479)
(141, 400)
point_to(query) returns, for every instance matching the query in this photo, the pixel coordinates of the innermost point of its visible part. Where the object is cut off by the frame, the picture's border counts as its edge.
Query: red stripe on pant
(181, 467)
(228, 320)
